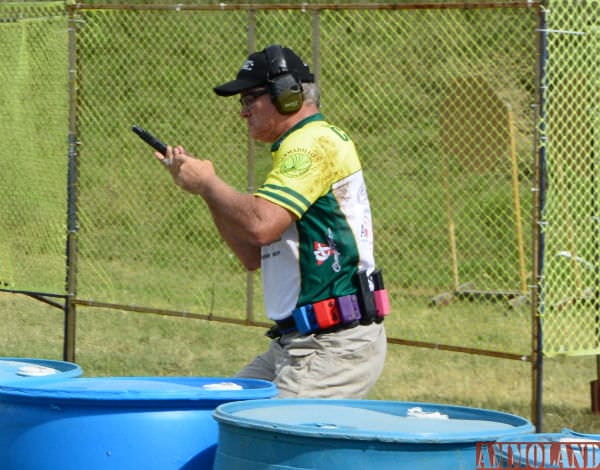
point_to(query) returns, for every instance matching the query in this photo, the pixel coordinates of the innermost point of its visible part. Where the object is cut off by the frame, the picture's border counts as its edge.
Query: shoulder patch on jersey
(295, 163)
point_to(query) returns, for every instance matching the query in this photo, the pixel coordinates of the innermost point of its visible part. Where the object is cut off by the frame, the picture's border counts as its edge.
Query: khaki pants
(344, 364)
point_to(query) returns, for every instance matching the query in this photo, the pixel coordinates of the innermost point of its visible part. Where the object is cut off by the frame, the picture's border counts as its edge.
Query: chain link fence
(33, 118)
(438, 99)
(571, 219)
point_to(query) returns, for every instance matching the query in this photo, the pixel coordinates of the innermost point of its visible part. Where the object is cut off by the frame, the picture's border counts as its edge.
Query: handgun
(155, 143)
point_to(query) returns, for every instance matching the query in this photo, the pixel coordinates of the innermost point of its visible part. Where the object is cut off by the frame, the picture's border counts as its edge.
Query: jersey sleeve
(302, 172)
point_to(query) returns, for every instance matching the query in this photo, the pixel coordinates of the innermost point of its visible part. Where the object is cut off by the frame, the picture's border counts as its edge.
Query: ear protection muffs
(285, 90)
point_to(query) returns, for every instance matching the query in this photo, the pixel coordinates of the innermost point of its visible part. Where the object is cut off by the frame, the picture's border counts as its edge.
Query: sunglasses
(248, 99)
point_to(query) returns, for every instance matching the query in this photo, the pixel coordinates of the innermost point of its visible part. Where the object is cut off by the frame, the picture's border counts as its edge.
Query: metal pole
(72, 225)
(538, 234)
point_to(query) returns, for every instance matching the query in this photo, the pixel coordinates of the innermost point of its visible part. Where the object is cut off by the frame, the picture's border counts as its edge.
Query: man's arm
(245, 222)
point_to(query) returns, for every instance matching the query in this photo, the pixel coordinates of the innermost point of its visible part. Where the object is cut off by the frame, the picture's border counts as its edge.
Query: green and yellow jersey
(317, 176)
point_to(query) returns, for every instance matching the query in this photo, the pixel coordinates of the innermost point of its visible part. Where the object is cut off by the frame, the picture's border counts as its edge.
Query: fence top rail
(311, 7)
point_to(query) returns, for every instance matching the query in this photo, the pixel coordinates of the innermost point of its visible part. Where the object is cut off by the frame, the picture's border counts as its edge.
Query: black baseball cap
(255, 72)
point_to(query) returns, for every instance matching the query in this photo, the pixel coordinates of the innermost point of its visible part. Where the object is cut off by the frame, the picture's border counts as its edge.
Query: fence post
(538, 234)
(72, 225)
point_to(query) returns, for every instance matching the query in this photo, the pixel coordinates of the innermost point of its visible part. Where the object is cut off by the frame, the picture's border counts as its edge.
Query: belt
(286, 324)
(325, 316)
(284, 327)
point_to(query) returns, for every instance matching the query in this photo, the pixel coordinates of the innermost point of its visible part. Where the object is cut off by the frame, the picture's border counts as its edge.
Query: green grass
(116, 343)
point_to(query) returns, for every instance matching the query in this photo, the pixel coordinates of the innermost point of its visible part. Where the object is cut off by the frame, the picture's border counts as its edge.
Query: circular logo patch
(295, 164)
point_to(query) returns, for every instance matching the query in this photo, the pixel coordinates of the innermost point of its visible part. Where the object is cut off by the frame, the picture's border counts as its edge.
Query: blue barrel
(27, 371)
(355, 434)
(117, 422)
(567, 449)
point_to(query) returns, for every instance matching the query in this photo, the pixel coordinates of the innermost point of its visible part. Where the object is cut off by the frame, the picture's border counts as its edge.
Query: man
(308, 228)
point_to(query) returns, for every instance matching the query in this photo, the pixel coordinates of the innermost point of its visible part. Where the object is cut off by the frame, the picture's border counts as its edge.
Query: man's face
(261, 114)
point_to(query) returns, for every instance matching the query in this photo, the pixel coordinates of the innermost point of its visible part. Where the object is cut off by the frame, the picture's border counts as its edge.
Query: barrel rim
(74, 391)
(10, 366)
(224, 415)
